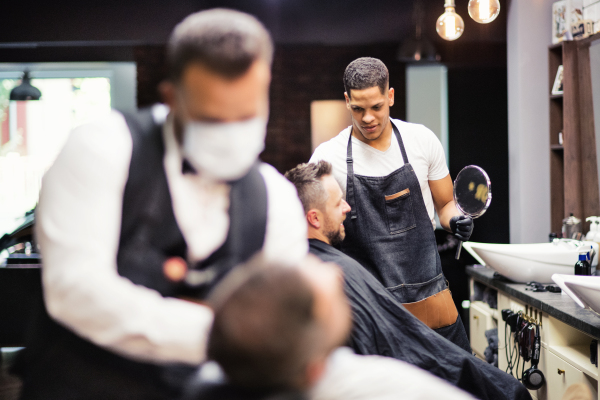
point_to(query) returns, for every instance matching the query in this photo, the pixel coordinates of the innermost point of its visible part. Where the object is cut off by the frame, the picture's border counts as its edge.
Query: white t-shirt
(423, 149)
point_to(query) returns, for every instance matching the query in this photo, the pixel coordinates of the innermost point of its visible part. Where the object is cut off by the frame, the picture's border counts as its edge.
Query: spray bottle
(593, 232)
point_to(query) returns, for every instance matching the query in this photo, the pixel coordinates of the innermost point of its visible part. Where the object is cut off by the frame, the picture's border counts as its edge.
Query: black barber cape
(382, 326)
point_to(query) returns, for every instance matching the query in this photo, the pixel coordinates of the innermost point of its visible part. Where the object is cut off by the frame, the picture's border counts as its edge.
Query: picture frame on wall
(591, 12)
(557, 88)
(580, 13)
(560, 23)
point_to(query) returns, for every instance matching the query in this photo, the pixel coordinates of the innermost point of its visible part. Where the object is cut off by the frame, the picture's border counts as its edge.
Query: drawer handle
(476, 317)
(561, 371)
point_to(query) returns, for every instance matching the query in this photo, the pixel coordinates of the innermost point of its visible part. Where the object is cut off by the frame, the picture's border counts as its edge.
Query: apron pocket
(399, 212)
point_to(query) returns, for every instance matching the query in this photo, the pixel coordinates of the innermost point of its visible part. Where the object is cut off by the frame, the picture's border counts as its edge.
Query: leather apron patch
(436, 311)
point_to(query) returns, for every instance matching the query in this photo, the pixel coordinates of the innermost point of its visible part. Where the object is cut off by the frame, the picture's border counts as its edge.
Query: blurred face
(220, 123)
(370, 111)
(336, 209)
(204, 96)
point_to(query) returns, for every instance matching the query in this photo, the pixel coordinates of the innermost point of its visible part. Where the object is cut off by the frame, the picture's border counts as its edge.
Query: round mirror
(472, 191)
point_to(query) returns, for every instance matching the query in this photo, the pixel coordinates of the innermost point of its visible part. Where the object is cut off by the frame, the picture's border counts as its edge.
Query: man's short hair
(307, 179)
(265, 330)
(364, 73)
(225, 41)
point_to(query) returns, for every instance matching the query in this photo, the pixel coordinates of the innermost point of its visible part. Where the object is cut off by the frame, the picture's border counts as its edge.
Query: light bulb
(450, 25)
(484, 11)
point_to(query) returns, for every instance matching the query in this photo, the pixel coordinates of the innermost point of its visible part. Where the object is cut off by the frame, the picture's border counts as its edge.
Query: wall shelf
(573, 171)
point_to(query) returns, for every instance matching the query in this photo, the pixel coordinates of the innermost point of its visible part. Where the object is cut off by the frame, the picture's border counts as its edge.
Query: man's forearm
(446, 213)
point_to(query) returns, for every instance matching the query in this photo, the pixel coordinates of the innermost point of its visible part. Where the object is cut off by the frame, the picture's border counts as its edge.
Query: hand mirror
(472, 193)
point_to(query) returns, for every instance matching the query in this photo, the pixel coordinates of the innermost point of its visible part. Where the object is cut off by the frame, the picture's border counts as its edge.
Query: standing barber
(130, 196)
(394, 174)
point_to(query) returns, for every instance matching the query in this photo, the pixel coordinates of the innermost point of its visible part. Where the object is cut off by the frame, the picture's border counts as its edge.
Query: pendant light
(418, 48)
(25, 91)
(484, 11)
(450, 25)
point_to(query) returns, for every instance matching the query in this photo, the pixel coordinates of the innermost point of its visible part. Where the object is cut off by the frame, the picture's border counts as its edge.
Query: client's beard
(335, 236)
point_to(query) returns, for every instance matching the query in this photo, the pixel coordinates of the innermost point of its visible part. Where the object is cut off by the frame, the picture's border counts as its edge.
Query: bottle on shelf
(583, 267)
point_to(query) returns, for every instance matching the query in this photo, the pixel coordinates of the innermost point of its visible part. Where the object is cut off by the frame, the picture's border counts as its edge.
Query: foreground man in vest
(382, 325)
(394, 175)
(131, 196)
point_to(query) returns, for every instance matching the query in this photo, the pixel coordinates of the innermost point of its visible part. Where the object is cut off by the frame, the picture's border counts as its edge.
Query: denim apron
(389, 232)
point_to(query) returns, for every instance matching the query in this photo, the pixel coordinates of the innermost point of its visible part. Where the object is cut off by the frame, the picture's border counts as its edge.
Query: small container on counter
(583, 267)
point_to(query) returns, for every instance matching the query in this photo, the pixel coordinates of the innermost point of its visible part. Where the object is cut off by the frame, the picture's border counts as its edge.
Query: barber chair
(209, 383)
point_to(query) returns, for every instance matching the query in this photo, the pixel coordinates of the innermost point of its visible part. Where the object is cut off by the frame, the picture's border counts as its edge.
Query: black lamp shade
(25, 91)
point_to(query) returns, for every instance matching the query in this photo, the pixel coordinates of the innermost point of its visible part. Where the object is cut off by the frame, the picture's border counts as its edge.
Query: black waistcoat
(57, 363)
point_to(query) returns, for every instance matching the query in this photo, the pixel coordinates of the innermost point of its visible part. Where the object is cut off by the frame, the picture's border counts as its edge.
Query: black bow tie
(187, 168)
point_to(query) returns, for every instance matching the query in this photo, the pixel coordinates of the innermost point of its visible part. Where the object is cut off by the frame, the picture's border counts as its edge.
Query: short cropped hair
(225, 41)
(265, 331)
(364, 73)
(307, 179)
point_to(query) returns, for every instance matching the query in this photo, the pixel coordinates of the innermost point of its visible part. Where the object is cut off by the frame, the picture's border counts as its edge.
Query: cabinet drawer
(560, 375)
(480, 321)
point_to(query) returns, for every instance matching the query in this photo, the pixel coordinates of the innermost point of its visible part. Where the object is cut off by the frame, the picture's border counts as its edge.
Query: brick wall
(301, 74)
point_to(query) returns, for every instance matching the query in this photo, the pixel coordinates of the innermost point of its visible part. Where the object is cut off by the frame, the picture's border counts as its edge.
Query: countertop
(558, 305)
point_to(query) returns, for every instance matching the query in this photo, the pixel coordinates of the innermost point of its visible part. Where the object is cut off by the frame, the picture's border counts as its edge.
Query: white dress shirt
(78, 224)
(353, 377)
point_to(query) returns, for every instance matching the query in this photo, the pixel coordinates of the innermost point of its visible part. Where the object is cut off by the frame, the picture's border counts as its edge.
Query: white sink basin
(530, 262)
(585, 290)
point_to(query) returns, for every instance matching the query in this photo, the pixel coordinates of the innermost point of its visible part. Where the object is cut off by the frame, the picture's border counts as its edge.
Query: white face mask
(224, 151)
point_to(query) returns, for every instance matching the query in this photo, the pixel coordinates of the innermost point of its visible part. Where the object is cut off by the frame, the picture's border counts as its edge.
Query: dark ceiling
(335, 22)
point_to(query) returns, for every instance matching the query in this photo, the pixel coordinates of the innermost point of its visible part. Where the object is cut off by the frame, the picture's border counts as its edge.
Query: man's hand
(462, 227)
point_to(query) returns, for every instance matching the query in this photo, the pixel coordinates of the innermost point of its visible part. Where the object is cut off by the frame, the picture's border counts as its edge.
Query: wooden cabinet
(573, 168)
(564, 356)
(482, 318)
(559, 375)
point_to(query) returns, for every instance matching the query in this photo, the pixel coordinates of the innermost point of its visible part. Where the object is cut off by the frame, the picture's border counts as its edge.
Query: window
(32, 133)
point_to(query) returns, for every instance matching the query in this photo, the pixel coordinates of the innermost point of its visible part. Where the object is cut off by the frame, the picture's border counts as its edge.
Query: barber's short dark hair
(364, 73)
(225, 41)
(265, 331)
(307, 179)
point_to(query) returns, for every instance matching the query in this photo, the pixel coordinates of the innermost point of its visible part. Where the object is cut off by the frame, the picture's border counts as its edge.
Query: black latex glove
(462, 227)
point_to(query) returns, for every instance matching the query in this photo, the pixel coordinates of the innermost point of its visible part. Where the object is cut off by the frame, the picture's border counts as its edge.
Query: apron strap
(350, 179)
(400, 142)
(350, 168)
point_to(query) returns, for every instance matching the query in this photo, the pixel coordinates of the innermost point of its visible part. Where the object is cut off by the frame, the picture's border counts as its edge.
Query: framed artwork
(580, 26)
(560, 25)
(591, 11)
(557, 88)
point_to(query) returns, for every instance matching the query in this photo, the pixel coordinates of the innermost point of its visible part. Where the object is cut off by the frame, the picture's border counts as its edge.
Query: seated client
(382, 325)
(276, 335)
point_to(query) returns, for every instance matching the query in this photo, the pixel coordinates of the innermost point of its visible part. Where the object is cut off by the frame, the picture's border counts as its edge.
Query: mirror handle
(458, 249)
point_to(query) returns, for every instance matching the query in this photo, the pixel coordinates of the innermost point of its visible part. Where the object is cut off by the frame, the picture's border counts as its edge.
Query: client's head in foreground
(275, 326)
(322, 199)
